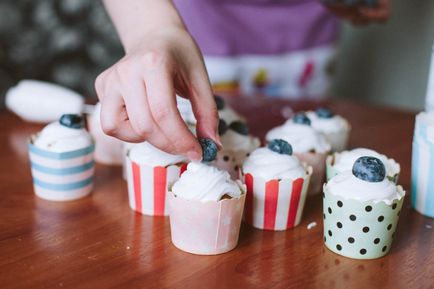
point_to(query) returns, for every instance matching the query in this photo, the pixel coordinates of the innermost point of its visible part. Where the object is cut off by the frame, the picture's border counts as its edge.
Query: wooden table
(98, 242)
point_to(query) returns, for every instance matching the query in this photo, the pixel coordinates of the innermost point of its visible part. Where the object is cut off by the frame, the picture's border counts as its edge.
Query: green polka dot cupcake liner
(360, 230)
(331, 170)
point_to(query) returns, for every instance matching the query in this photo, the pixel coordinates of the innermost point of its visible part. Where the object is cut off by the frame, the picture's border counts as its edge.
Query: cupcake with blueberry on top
(277, 184)
(237, 144)
(62, 160)
(335, 128)
(206, 207)
(308, 145)
(361, 210)
(343, 161)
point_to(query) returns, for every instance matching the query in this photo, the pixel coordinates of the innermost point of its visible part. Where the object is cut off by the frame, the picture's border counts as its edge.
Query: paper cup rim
(59, 155)
(307, 175)
(399, 189)
(243, 194)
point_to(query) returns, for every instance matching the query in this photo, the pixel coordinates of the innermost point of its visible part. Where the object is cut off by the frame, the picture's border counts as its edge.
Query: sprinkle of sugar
(428, 226)
(311, 225)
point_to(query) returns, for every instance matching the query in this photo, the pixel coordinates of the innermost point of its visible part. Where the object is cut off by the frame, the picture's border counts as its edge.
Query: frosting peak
(204, 182)
(147, 154)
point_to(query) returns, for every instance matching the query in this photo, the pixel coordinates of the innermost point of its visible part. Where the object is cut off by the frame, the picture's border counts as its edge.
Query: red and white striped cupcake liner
(275, 205)
(148, 186)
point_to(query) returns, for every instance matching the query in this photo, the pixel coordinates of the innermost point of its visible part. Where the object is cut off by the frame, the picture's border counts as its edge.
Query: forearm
(134, 19)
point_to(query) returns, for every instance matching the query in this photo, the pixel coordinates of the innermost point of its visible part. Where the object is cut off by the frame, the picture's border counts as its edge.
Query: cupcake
(277, 184)
(308, 145)
(150, 174)
(62, 160)
(361, 210)
(108, 150)
(335, 128)
(341, 162)
(237, 144)
(206, 208)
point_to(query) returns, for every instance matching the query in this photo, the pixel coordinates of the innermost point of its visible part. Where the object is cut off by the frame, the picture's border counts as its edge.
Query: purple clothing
(234, 27)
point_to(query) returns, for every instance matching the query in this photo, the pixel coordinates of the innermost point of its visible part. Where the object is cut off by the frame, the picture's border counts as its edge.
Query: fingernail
(194, 156)
(218, 141)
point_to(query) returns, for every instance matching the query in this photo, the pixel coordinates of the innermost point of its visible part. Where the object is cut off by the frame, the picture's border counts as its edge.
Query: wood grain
(98, 242)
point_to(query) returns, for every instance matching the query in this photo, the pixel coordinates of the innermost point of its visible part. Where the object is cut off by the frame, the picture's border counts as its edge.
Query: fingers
(204, 107)
(162, 105)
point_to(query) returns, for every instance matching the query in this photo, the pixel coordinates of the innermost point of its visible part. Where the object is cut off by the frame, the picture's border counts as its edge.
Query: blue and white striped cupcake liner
(62, 176)
(422, 175)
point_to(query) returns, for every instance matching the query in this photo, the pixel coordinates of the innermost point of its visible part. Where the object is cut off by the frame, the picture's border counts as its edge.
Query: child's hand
(137, 93)
(362, 15)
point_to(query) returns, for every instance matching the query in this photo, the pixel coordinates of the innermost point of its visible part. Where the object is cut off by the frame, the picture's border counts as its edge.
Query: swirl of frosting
(58, 138)
(348, 186)
(333, 124)
(234, 141)
(303, 138)
(269, 165)
(146, 154)
(202, 182)
(344, 161)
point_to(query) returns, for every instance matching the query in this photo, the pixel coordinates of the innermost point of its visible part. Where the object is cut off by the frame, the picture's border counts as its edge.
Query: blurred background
(70, 41)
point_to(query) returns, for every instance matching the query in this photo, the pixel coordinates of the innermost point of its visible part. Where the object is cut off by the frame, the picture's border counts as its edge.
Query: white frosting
(328, 125)
(348, 186)
(58, 138)
(147, 154)
(186, 111)
(345, 160)
(269, 165)
(202, 182)
(234, 141)
(303, 138)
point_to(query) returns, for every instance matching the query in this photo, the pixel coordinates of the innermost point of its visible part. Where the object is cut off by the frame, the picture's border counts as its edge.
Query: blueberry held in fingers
(301, 118)
(72, 121)
(220, 103)
(280, 146)
(369, 169)
(209, 149)
(239, 127)
(324, 112)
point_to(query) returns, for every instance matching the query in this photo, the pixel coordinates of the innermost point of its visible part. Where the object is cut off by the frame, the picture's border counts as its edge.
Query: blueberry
(301, 118)
(369, 169)
(324, 112)
(280, 146)
(220, 103)
(209, 149)
(72, 121)
(223, 127)
(240, 127)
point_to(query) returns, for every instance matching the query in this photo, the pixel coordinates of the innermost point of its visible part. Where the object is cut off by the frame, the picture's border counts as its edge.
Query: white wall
(388, 64)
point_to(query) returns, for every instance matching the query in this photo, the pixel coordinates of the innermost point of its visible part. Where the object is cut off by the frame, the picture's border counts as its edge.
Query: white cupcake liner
(62, 176)
(275, 204)
(331, 171)
(360, 230)
(148, 186)
(205, 228)
(108, 150)
(317, 162)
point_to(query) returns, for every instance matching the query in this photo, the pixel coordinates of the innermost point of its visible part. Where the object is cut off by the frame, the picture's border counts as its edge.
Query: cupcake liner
(360, 230)
(126, 146)
(108, 150)
(205, 228)
(62, 176)
(331, 171)
(148, 187)
(317, 162)
(275, 205)
(422, 174)
(338, 140)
